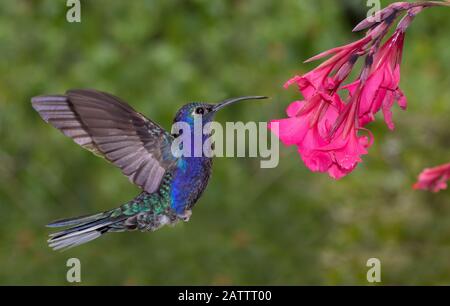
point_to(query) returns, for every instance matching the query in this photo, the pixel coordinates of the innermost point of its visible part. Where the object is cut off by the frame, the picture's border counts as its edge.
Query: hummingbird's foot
(186, 215)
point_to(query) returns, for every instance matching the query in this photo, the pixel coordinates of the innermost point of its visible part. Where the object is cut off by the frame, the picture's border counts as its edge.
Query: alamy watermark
(73, 275)
(237, 139)
(374, 273)
(74, 12)
(375, 6)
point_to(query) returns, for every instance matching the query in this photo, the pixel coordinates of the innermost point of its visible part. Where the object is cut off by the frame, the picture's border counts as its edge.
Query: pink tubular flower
(381, 90)
(311, 121)
(326, 128)
(345, 146)
(308, 124)
(434, 179)
(323, 146)
(328, 76)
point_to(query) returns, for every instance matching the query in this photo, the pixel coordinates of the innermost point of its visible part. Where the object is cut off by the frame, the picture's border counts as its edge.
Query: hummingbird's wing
(109, 127)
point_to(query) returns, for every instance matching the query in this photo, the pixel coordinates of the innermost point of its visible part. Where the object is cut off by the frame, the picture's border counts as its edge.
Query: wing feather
(109, 127)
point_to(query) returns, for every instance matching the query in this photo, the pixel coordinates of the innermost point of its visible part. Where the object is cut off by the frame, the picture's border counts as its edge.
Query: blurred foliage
(252, 226)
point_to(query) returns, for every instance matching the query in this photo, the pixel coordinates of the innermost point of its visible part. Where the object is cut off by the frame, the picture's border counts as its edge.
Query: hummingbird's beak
(227, 102)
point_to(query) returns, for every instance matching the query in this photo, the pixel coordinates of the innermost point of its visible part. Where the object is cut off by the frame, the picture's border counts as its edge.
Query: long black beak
(226, 102)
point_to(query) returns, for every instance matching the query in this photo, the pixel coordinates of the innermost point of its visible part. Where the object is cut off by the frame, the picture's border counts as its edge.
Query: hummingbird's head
(206, 111)
(193, 110)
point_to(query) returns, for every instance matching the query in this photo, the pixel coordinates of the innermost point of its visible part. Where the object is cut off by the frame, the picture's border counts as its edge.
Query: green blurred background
(252, 226)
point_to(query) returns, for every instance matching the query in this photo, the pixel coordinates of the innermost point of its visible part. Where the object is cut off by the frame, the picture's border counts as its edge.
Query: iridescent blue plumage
(142, 149)
(192, 173)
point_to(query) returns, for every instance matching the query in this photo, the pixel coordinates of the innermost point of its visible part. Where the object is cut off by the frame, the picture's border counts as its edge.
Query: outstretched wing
(109, 127)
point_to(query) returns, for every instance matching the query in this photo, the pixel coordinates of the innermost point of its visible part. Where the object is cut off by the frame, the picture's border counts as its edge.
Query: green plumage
(156, 202)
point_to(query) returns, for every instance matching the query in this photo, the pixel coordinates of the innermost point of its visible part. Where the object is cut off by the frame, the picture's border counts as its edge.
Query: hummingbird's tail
(82, 229)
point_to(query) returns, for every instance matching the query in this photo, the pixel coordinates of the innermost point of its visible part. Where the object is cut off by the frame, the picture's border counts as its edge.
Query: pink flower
(434, 179)
(328, 76)
(323, 146)
(381, 90)
(325, 128)
(309, 122)
(345, 146)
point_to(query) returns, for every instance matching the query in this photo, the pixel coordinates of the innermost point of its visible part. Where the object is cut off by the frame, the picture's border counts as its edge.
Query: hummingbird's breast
(190, 179)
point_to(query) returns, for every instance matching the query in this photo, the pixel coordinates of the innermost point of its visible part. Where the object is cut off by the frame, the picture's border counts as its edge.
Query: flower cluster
(329, 125)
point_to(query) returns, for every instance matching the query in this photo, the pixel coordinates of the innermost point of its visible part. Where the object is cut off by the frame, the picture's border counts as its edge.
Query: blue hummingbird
(110, 128)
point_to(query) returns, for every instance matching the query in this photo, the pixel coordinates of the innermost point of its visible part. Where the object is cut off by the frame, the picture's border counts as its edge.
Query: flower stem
(431, 3)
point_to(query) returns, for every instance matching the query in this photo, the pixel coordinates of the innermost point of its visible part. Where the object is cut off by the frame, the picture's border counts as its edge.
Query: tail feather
(76, 220)
(77, 227)
(84, 229)
(70, 242)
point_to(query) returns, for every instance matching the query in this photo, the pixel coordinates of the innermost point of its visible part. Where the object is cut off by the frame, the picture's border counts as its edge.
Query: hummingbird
(109, 127)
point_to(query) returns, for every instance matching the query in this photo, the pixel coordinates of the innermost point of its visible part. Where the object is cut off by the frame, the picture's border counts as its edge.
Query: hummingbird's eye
(175, 135)
(199, 110)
